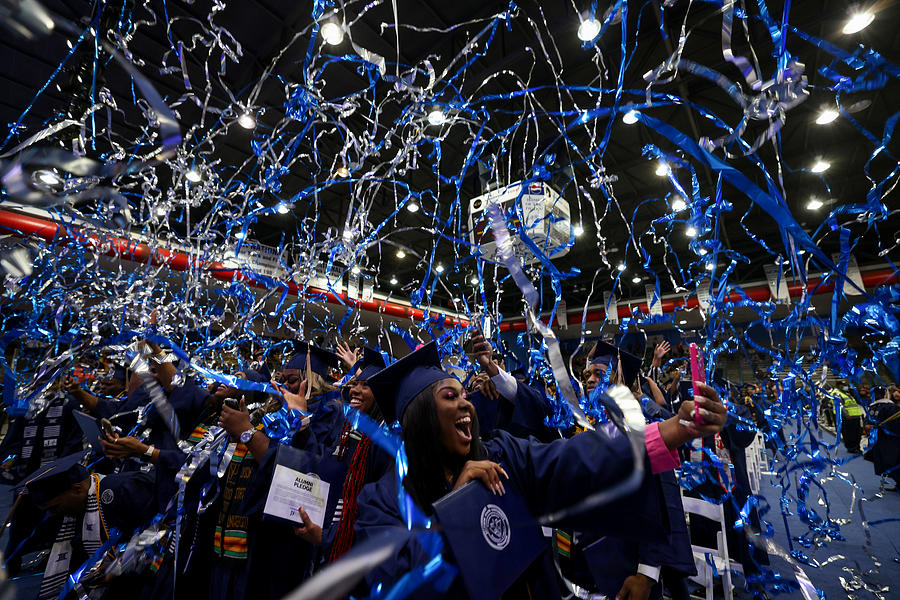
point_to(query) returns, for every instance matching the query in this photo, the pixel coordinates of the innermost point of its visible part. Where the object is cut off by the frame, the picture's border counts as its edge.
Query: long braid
(353, 482)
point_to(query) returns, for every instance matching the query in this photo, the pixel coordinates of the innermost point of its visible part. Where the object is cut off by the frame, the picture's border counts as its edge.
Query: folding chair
(718, 556)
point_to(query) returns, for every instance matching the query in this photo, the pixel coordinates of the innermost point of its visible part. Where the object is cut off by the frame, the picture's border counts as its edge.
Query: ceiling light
(347, 235)
(436, 117)
(401, 254)
(588, 332)
(710, 266)
(247, 121)
(636, 279)
(801, 251)
(393, 280)
(47, 177)
(661, 169)
(473, 280)
(343, 172)
(332, 33)
(412, 207)
(284, 209)
(678, 204)
(578, 230)
(857, 22)
(682, 322)
(193, 176)
(588, 30)
(630, 118)
(456, 300)
(355, 270)
(820, 166)
(621, 266)
(814, 204)
(690, 232)
(703, 251)
(439, 268)
(827, 116)
(240, 234)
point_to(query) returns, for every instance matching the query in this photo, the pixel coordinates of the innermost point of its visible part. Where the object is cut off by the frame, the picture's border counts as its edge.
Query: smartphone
(108, 429)
(698, 373)
(233, 403)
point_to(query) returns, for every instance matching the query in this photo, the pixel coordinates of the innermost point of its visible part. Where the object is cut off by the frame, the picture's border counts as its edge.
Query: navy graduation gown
(550, 476)
(885, 453)
(522, 416)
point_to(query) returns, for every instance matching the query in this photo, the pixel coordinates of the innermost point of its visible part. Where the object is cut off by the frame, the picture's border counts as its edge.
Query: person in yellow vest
(851, 420)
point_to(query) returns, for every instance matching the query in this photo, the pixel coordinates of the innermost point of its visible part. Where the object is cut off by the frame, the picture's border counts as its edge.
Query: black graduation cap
(397, 384)
(371, 362)
(319, 359)
(607, 354)
(53, 479)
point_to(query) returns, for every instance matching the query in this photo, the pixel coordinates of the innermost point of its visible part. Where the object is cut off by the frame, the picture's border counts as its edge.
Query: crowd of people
(132, 477)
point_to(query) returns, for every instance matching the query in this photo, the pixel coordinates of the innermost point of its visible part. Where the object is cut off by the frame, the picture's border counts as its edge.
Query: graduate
(94, 507)
(35, 439)
(347, 460)
(440, 430)
(252, 555)
(503, 402)
(884, 453)
(623, 567)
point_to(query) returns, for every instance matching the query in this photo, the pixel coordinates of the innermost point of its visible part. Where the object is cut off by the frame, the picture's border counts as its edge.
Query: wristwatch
(245, 437)
(148, 453)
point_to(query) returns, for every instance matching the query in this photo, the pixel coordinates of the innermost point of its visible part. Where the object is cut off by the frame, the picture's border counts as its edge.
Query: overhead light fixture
(439, 268)
(356, 270)
(412, 207)
(240, 234)
(247, 121)
(347, 235)
(332, 33)
(588, 30)
(284, 208)
(473, 279)
(690, 232)
(858, 21)
(436, 117)
(456, 300)
(343, 172)
(682, 322)
(635, 279)
(710, 266)
(703, 251)
(578, 230)
(820, 166)
(588, 332)
(827, 116)
(678, 204)
(193, 176)
(621, 266)
(661, 169)
(393, 280)
(630, 118)
(47, 177)
(401, 253)
(814, 204)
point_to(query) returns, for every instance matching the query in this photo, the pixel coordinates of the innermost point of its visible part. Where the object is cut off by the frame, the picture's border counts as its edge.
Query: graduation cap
(53, 479)
(397, 384)
(609, 355)
(371, 362)
(319, 359)
(118, 373)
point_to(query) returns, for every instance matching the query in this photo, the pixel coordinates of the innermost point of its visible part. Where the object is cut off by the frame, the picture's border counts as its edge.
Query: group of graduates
(171, 496)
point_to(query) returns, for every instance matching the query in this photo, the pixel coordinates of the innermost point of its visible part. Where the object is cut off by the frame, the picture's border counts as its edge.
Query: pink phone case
(698, 373)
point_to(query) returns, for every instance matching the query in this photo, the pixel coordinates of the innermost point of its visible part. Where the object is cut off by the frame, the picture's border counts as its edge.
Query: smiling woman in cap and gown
(440, 431)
